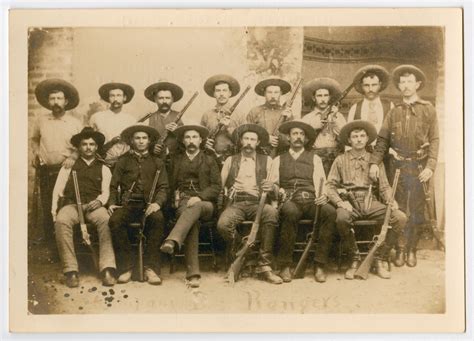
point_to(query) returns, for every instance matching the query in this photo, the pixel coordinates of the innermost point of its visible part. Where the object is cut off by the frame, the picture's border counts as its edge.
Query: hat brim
(261, 86)
(180, 131)
(330, 84)
(210, 84)
(310, 134)
(44, 88)
(99, 138)
(128, 91)
(127, 134)
(175, 90)
(380, 71)
(402, 69)
(357, 124)
(255, 128)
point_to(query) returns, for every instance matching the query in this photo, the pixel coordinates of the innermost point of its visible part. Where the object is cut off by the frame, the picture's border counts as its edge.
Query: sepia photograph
(238, 168)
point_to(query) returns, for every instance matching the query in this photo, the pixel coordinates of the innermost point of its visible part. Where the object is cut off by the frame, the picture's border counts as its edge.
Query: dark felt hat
(259, 130)
(261, 86)
(47, 86)
(327, 83)
(209, 85)
(128, 91)
(286, 127)
(87, 133)
(175, 90)
(378, 70)
(357, 124)
(180, 131)
(402, 69)
(128, 132)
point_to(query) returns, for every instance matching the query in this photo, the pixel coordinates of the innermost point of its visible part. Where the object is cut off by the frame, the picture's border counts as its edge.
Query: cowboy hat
(47, 86)
(286, 127)
(378, 70)
(175, 90)
(88, 133)
(327, 83)
(259, 130)
(180, 131)
(262, 86)
(210, 84)
(128, 132)
(357, 124)
(128, 91)
(402, 69)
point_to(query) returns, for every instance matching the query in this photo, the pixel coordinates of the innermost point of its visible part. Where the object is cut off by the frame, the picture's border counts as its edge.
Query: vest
(299, 171)
(385, 106)
(260, 169)
(89, 179)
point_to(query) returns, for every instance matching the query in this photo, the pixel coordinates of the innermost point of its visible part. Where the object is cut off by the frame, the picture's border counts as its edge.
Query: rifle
(433, 226)
(282, 118)
(85, 234)
(141, 236)
(363, 270)
(248, 241)
(301, 266)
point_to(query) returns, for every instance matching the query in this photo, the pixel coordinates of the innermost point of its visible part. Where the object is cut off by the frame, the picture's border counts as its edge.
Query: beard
(164, 108)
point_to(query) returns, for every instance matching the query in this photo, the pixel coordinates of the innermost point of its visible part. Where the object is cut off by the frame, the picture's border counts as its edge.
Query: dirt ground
(411, 290)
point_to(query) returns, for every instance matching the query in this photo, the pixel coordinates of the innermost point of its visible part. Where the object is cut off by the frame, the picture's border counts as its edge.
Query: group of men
(127, 171)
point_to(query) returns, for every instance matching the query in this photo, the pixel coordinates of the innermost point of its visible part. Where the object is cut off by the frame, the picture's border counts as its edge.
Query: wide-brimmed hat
(210, 84)
(402, 69)
(286, 127)
(128, 132)
(180, 131)
(259, 130)
(44, 88)
(378, 70)
(175, 90)
(357, 124)
(88, 133)
(327, 83)
(261, 86)
(128, 91)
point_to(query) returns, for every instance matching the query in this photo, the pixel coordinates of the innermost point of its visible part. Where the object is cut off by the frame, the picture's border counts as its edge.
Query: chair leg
(172, 264)
(339, 258)
(213, 250)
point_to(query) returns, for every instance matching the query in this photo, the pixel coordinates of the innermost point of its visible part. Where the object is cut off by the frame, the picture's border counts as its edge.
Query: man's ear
(124, 97)
(418, 84)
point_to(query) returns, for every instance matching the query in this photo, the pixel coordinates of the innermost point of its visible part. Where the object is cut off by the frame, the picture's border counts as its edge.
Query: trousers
(48, 176)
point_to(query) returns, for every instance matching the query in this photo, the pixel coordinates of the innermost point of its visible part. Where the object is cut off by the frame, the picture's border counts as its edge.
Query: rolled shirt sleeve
(103, 197)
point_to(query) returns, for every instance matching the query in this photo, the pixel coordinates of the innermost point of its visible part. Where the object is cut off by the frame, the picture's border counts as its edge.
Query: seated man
(93, 180)
(351, 170)
(300, 172)
(196, 183)
(134, 173)
(245, 175)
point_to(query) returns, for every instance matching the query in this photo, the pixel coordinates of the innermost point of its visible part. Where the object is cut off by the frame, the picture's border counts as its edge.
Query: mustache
(164, 107)
(192, 145)
(56, 106)
(299, 140)
(115, 103)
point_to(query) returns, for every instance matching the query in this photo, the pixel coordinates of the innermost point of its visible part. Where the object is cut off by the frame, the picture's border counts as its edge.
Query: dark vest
(385, 106)
(299, 171)
(188, 170)
(260, 169)
(89, 179)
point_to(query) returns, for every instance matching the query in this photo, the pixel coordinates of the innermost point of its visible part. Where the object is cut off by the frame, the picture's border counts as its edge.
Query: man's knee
(328, 212)
(289, 212)
(399, 219)
(156, 218)
(269, 215)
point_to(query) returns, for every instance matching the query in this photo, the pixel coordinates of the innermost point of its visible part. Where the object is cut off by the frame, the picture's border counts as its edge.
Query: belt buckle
(305, 195)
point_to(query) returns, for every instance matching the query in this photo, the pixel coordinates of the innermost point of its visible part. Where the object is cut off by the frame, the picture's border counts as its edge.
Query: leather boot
(285, 274)
(400, 257)
(168, 247)
(194, 281)
(72, 280)
(125, 277)
(411, 258)
(151, 277)
(108, 279)
(270, 277)
(352, 269)
(319, 274)
(381, 271)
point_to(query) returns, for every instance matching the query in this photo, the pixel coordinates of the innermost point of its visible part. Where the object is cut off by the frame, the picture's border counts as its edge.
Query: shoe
(72, 279)
(399, 258)
(352, 269)
(320, 275)
(125, 277)
(285, 274)
(168, 247)
(411, 258)
(270, 277)
(381, 271)
(194, 281)
(108, 279)
(152, 277)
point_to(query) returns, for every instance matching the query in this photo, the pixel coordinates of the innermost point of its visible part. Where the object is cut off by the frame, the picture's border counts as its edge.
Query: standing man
(134, 173)
(93, 179)
(350, 171)
(320, 91)
(196, 183)
(51, 143)
(113, 121)
(245, 175)
(218, 120)
(164, 94)
(411, 131)
(272, 114)
(299, 173)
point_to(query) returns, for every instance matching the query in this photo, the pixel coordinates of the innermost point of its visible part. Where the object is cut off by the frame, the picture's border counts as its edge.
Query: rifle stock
(301, 266)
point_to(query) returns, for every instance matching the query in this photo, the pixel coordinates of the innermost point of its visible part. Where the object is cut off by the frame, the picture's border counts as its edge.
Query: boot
(152, 277)
(108, 279)
(72, 280)
(380, 269)
(285, 274)
(270, 277)
(352, 269)
(320, 275)
(400, 257)
(194, 282)
(411, 258)
(125, 277)
(168, 247)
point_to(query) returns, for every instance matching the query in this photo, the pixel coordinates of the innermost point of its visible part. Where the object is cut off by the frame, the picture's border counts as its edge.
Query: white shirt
(364, 111)
(111, 124)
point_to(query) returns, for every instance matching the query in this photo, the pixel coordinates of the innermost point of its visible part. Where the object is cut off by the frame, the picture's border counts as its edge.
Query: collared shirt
(353, 169)
(111, 124)
(318, 170)
(246, 180)
(54, 135)
(63, 177)
(267, 116)
(371, 110)
(211, 118)
(327, 137)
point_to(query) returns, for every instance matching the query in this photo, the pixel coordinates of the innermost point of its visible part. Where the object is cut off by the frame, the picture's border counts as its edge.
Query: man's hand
(334, 110)
(345, 205)
(394, 206)
(425, 175)
(274, 141)
(53, 214)
(192, 201)
(112, 208)
(287, 113)
(93, 205)
(171, 126)
(157, 149)
(152, 208)
(115, 139)
(322, 200)
(225, 120)
(210, 144)
(374, 172)
(267, 186)
(68, 163)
